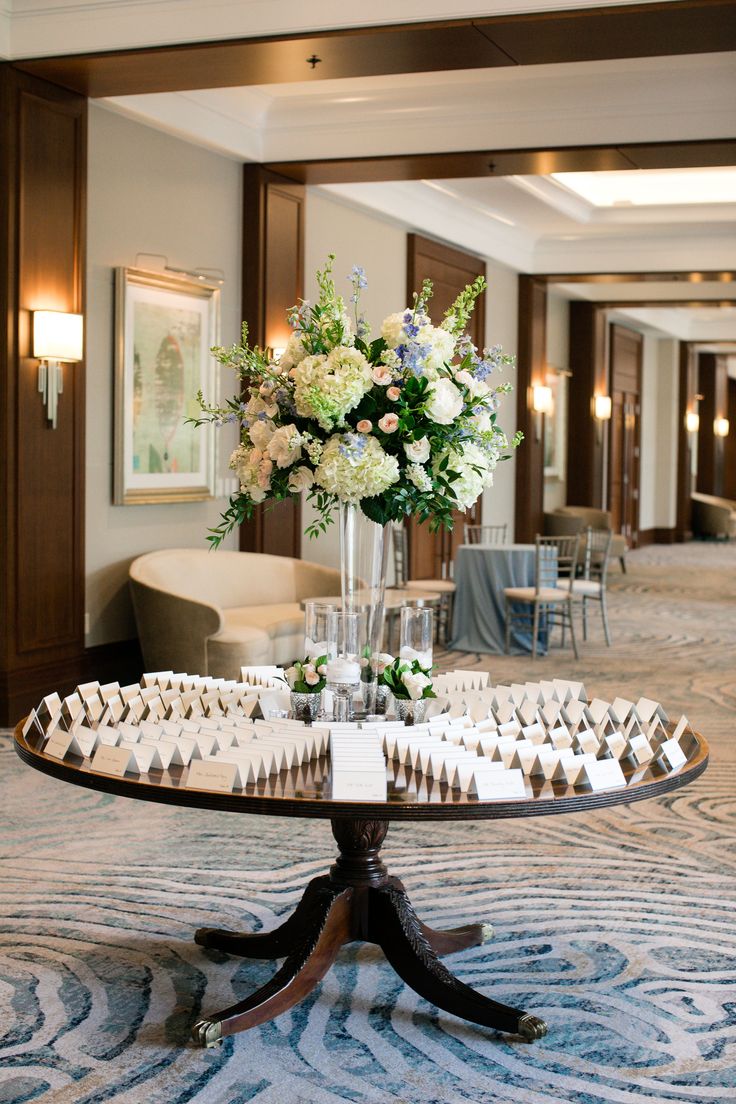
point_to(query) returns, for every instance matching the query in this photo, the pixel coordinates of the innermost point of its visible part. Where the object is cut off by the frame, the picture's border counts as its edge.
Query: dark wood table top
(304, 791)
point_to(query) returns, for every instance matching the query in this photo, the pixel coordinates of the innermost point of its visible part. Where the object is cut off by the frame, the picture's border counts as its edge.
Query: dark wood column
(42, 207)
(688, 388)
(273, 280)
(729, 453)
(530, 370)
(586, 436)
(712, 385)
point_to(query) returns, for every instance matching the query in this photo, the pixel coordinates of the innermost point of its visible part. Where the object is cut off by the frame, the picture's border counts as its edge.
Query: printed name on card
(212, 774)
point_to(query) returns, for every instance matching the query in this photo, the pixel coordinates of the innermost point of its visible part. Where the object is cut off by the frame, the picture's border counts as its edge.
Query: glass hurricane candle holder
(417, 630)
(320, 630)
(344, 669)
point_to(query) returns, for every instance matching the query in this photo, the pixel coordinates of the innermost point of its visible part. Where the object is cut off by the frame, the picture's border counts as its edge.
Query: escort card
(32, 721)
(672, 754)
(112, 760)
(603, 774)
(212, 774)
(498, 785)
(59, 744)
(359, 786)
(682, 726)
(597, 711)
(640, 749)
(464, 770)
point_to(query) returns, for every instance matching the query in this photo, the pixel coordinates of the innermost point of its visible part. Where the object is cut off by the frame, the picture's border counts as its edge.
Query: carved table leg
(357, 900)
(326, 929)
(395, 927)
(273, 944)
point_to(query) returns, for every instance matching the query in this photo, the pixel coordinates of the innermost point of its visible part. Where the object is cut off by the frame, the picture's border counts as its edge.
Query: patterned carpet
(618, 927)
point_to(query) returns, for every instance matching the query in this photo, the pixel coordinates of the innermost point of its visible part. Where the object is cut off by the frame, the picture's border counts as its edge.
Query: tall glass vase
(364, 550)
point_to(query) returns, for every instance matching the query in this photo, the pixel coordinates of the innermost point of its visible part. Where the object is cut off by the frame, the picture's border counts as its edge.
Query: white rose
(301, 479)
(291, 676)
(415, 684)
(478, 388)
(445, 402)
(417, 451)
(285, 446)
(261, 433)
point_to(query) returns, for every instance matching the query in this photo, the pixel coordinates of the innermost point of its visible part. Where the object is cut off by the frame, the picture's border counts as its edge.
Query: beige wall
(151, 193)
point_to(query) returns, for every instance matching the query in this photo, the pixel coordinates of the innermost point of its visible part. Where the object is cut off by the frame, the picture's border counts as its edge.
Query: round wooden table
(358, 898)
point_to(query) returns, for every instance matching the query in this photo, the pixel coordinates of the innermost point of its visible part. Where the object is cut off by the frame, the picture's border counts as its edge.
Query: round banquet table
(358, 899)
(482, 572)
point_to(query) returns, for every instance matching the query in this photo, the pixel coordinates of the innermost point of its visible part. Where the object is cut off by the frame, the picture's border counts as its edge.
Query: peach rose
(365, 425)
(382, 375)
(393, 393)
(389, 423)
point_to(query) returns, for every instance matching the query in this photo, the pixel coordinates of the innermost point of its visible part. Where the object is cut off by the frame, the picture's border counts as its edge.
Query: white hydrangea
(417, 475)
(328, 387)
(392, 328)
(285, 446)
(441, 346)
(355, 466)
(475, 468)
(261, 432)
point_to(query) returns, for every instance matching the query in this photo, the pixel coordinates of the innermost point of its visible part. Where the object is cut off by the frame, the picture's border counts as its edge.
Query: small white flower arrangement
(404, 425)
(307, 676)
(408, 681)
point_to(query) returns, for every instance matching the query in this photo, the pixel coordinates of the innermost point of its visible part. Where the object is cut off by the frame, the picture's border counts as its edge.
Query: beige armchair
(713, 516)
(212, 612)
(561, 522)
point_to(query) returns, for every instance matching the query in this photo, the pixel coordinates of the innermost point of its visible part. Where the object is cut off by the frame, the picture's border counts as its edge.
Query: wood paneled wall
(586, 437)
(273, 275)
(42, 189)
(688, 388)
(712, 385)
(729, 449)
(531, 366)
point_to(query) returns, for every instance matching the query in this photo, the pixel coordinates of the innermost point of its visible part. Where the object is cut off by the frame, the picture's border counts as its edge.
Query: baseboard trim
(657, 536)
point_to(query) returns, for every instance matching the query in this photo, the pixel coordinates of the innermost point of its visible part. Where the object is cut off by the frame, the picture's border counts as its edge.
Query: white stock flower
(445, 402)
(293, 354)
(417, 475)
(285, 446)
(301, 479)
(415, 684)
(417, 451)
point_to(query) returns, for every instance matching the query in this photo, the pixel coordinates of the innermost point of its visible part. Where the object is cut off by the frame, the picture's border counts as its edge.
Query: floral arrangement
(307, 676)
(401, 425)
(408, 681)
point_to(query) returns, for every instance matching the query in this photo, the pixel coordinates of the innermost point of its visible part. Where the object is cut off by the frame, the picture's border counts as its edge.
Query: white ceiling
(529, 223)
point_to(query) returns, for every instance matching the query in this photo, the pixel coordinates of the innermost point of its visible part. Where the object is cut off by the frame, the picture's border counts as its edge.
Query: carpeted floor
(617, 927)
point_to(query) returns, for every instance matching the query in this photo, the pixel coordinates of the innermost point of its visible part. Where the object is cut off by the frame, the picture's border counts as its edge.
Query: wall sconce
(57, 337)
(692, 421)
(542, 404)
(602, 407)
(721, 426)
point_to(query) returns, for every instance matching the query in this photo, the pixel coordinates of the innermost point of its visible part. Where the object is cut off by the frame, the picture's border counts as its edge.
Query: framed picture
(555, 426)
(165, 327)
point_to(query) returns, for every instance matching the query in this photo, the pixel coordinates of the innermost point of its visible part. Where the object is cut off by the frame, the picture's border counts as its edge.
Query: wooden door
(450, 270)
(624, 436)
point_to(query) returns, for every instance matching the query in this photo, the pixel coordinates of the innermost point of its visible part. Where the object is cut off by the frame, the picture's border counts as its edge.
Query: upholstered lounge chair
(713, 516)
(212, 612)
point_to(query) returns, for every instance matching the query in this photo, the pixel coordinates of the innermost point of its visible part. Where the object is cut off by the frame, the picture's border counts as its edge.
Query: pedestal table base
(358, 899)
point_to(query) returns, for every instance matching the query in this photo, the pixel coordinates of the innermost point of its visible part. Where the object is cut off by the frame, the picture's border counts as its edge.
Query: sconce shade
(57, 336)
(602, 407)
(692, 421)
(542, 399)
(721, 426)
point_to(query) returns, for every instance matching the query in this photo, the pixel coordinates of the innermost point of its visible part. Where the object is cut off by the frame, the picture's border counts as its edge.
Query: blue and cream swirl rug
(617, 927)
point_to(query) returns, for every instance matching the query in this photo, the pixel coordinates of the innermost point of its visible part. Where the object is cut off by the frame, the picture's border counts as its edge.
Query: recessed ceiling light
(652, 187)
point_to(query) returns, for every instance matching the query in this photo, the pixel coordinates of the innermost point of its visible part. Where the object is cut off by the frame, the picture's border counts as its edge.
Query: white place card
(142, 755)
(603, 774)
(433, 762)
(569, 769)
(528, 713)
(509, 728)
(672, 754)
(463, 770)
(640, 750)
(87, 690)
(534, 733)
(59, 744)
(682, 726)
(597, 711)
(615, 744)
(113, 760)
(359, 786)
(498, 785)
(620, 710)
(32, 721)
(523, 758)
(587, 741)
(212, 774)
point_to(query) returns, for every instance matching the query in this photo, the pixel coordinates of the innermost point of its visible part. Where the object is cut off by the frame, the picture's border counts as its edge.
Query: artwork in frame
(165, 327)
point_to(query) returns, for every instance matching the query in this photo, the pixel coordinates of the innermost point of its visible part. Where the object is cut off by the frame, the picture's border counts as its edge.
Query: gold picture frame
(165, 327)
